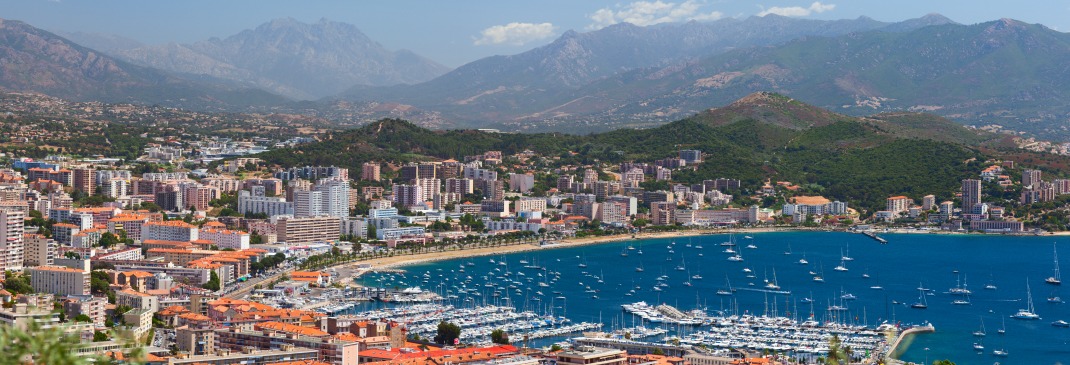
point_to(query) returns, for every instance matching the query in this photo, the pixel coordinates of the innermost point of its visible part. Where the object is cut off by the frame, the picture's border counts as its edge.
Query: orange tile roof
(301, 362)
(196, 317)
(138, 274)
(436, 356)
(171, 224)
(171, 250)
(134, 293)
(166, 242)
(173, 310)
(810, 200)
(58, 269)
(292, 328)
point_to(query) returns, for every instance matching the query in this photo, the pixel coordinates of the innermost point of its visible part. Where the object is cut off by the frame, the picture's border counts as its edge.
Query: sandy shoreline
(397, 261)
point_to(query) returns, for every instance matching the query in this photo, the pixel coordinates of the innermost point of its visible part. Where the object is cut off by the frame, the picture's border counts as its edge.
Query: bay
(936, 261)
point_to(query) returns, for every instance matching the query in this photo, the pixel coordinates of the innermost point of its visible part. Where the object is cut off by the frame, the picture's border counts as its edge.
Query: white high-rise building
(334, 198)
(428, 188)
(307, 203)
(521, 182)
(117, 188)
(12, 247)
(270, 205)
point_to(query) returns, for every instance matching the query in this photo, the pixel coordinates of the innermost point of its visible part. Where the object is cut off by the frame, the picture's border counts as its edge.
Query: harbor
(689, 284)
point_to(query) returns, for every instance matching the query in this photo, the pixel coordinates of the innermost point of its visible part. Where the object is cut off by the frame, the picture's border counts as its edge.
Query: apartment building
(59, 280)
(12, 227)
(169, 231)
(40, 250)
(293, 230)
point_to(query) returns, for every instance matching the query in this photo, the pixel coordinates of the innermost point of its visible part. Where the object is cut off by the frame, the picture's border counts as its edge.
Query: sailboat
(639, 268)
(584, 263)
(1003, 330)
(725, 291)
(1055, 279)
(842, 266)
(876, 285)
(960, 287)
(772, 285)
(847, 257)
(803, 261)
(979, 345)
(921, 303)
(1054, 298)
(788, 252)
(980, 332)
(990, 285)
(821, 276)
(624, 252)
(1028, 313)
(962, 301)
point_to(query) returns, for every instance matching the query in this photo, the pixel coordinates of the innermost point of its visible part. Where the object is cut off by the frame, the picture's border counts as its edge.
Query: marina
(594, 283)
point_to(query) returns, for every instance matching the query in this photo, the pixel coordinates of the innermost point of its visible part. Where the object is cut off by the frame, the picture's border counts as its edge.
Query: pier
(632, 347)
(875, 237)
(894, 351)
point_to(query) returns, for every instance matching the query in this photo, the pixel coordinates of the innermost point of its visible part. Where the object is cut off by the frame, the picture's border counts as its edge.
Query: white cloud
(515, 34)
(643, 13)
(816, 7)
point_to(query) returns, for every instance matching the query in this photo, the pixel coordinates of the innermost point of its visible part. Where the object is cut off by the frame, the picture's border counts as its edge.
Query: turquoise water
(934, 261)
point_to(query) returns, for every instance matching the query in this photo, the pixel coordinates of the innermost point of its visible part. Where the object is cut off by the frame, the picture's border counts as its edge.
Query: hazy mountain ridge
(1002, 72)
(293, 58)
(533, 85)
(35, 60)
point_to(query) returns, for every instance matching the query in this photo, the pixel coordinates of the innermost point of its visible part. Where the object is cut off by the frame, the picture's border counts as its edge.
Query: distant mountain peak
(43, 62)
(297, 59)
(773, 109)
(937, 18)
(761, 98)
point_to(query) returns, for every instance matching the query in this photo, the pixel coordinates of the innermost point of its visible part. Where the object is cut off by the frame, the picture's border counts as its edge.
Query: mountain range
(291, 58)
(1003, 72)
(538, 84)
(34, 60)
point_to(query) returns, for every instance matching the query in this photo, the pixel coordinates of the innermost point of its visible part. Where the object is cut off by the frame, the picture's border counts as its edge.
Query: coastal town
(199, 252)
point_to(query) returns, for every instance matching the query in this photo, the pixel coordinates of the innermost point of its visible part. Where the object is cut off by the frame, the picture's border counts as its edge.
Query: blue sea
(935, 262)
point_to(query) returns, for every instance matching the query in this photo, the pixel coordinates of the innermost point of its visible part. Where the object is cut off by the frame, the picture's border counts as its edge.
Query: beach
(398, 261)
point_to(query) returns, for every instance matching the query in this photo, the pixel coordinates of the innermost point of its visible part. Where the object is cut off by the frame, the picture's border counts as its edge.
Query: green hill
(763, 136)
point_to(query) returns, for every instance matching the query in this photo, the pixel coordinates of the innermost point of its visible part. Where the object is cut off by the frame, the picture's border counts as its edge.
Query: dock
(875, 237)
(894, 349)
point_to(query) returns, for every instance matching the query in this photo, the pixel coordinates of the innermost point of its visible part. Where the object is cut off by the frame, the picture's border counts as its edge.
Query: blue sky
(456, 32)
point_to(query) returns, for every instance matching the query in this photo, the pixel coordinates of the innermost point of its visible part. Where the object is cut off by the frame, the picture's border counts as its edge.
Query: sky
(454, 32)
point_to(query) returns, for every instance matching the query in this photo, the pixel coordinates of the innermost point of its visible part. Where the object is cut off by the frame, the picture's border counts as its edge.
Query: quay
(894, 350)
(633, 347)
(874, 236)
